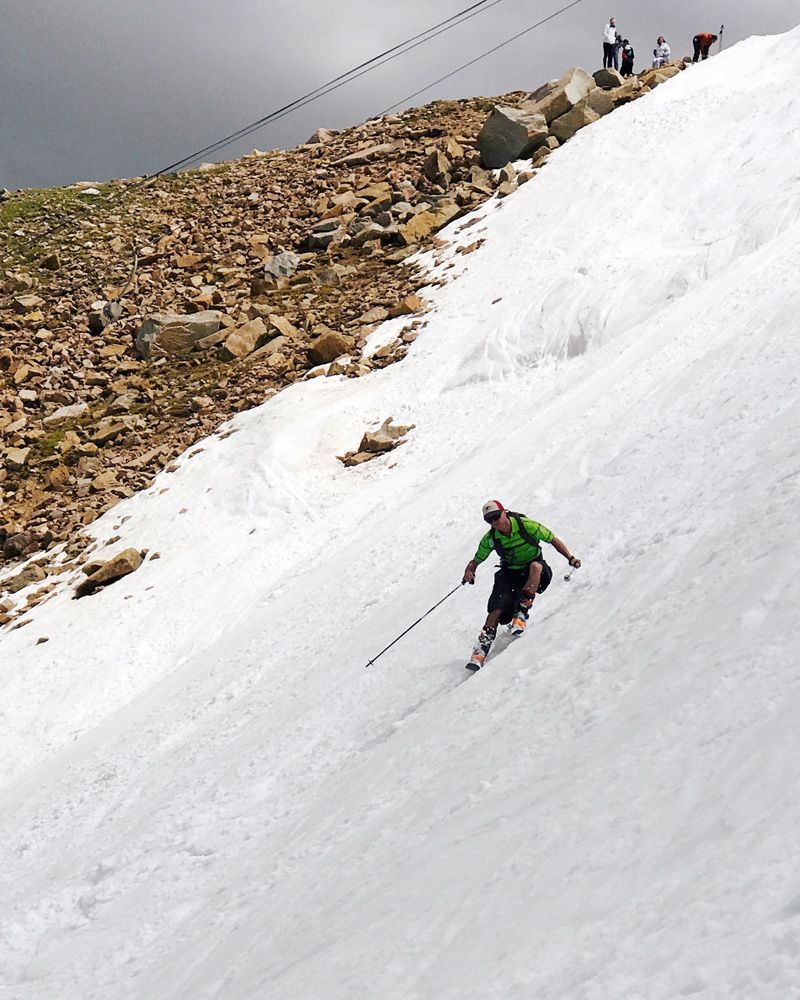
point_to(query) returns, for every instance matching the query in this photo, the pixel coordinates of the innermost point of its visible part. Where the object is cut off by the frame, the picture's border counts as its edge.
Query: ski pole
(568, 576)
(374, 658)
(721, 29)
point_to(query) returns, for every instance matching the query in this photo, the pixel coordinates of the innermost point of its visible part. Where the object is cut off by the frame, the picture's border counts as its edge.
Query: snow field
(207, 795)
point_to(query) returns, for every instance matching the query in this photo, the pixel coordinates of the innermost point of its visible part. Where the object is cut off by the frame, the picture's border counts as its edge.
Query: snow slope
(207, 795)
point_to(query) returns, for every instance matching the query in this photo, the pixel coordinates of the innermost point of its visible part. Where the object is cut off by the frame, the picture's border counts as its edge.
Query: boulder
(557, 97)
(26, 303)
(105, 481)
(602, 102)
(17, 283)
(364, 156)
(15, 459)
(660, 74)
(244, 339)
(167, 334)
(121, 565)
(509, 134)
(274, 346)
(377, 442)
(624, 93)
(327, 233)
(327, 347)
(372, 191)
(608, 79)
(371, 231)
(108, 428)
(322, 135)
(482, 181)
(284, 327)
(377, 314)
(437, 167)
(387, 436)
(410, 304)
(416, 229)
(67, 413)
(281, 265)
(216, 338)
(567, 125)
(59, 477)
(16, 544)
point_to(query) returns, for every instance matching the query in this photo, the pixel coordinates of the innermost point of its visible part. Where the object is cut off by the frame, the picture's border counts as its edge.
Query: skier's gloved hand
(574, 562)
(469, 577)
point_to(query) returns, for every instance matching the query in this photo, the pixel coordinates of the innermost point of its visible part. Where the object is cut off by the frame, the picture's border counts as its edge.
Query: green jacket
(517, 553)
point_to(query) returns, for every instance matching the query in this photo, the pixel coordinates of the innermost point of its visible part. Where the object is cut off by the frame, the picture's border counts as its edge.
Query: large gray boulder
(510, 134)
(165, 334)
(556, 98)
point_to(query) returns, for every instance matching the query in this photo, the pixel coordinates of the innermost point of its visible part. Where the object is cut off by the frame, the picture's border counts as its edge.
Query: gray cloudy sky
(96, 89)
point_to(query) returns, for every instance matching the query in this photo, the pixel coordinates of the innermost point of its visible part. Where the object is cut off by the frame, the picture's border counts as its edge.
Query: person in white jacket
(662, 52)
(610, 45)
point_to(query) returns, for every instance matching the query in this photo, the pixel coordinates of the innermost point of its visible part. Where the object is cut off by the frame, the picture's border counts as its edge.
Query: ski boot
(481, 651)
(520, 619)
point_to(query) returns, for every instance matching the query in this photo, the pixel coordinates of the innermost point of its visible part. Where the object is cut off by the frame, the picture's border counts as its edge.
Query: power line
(352, 74)
(489, 52)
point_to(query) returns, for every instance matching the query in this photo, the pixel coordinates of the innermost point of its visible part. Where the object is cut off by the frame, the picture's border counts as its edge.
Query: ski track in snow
(207, 795)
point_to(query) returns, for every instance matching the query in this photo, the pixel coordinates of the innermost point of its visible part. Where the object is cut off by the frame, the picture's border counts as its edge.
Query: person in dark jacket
(627, 58)
(702, 43)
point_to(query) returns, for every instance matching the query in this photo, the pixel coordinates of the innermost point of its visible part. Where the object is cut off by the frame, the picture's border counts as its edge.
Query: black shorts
(507, 586)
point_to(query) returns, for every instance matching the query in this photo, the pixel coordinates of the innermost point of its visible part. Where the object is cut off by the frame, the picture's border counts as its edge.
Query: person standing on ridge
(702, 43)
(522, 575)
(627, 58)
(610, 44)
(662, 52)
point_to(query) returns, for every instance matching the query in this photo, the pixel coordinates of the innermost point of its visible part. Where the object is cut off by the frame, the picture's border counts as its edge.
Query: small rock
(121, 565)
(15, 459)
(59, 477)
(244, 339)
(282, 265)
(31, 574)
(67, 413)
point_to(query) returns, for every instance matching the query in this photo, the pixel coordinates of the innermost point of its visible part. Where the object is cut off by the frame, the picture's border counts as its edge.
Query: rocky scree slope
(248, 276)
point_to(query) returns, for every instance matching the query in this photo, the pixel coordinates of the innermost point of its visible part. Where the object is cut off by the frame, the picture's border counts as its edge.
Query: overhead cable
(472, 62)
(352, 74)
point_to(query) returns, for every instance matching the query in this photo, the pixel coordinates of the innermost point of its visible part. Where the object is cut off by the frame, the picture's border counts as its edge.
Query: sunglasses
(494, 516)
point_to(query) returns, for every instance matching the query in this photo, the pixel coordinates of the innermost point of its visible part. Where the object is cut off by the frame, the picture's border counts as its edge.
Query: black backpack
(547, 573)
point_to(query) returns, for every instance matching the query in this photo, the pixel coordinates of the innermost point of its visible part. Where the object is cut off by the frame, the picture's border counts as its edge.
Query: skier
(627, 58)
(702, 43)
(522, 575)
(610, 44)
